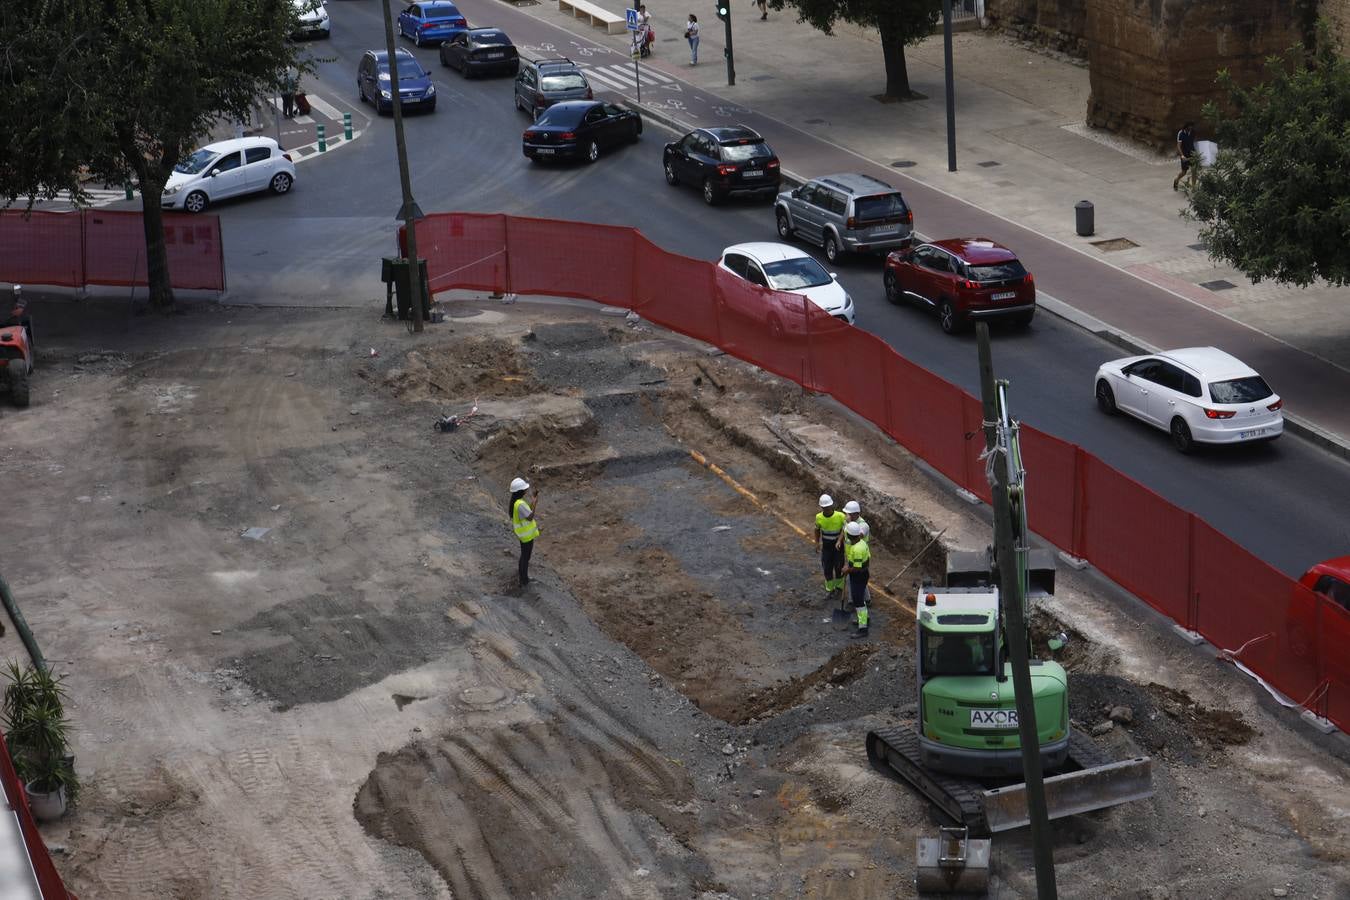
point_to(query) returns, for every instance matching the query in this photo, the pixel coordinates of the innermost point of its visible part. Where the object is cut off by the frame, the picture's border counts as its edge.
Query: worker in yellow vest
(524, 523)
(853, 513)
(857, 558)
(829, 529)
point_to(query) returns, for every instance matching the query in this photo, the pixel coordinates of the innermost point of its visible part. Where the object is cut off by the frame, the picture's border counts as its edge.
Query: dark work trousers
(831, 561)
(526, 548)
(857, 586)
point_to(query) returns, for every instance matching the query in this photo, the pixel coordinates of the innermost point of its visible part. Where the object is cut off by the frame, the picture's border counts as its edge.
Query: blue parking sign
(631, 16)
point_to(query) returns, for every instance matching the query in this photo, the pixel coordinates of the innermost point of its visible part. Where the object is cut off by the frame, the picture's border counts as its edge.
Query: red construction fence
(48, 879)
(107, 247)
(1292, 638)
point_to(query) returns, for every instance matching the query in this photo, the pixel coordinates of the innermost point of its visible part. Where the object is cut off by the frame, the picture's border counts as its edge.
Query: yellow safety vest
(858, 554)
(830, 525)
(526, 529)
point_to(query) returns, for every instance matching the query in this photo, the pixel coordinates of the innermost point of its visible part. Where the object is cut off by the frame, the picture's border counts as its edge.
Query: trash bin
(1083, 216)
(394, 271)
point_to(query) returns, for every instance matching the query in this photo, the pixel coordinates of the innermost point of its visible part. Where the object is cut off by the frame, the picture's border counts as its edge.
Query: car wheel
(196, 202)
(637, 130)
(17, 370)
(948, 317)
(592, 151)
(671, 177)
(1181, 435)
(1106, 398)
(784, 226)
(832, 252)
(281, 183)
(709, 192)
(892, 287)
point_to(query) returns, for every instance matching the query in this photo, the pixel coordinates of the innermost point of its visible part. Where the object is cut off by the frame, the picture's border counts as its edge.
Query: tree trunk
(893, 52)
(156, 253)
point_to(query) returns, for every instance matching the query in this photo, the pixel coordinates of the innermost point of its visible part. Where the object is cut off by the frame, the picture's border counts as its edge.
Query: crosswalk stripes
(620, 76)
(96, 197)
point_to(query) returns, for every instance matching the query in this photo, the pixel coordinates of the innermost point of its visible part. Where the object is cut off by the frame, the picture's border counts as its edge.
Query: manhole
(903, 164)
(1218, 285)
(464, 312)
(1198, 247)
(1114, 244)
(988, 164)
(814, 121)
(484, 697)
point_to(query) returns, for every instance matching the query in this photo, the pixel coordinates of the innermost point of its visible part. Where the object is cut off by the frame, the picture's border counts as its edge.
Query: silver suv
(544, 82)
(846, 213)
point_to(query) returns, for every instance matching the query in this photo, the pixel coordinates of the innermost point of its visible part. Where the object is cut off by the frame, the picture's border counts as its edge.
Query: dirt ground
(359, 703)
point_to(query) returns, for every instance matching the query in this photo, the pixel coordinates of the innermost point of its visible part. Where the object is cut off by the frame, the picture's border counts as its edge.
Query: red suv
(962, 279)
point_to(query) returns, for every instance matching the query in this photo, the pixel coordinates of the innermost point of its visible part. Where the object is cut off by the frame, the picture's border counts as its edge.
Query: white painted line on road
(609, 81)
(325, 107)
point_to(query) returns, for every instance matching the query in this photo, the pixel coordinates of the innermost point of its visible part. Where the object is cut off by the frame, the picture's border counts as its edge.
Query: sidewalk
(1024, 159)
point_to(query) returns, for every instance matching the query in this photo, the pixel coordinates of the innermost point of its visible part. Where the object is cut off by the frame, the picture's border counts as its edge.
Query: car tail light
(539, 102)
(590, 95)
(1029, 279)
(909, 217)
(426, 25)
(1218, 414)
(725, 169)
(568, 136)
(771, 164)
(1276, 406)
(461, 23)
(531, 135)
(970, 285)
(850, 223)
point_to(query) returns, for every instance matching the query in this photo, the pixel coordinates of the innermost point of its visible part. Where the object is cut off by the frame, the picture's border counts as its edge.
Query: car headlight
(431, 90)
(170, 191)
(384, 92)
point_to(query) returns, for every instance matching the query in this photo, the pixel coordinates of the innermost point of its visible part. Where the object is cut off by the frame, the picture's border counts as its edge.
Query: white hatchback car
(228, 169)
(786, 268)
(1197, 394)
(312, 19)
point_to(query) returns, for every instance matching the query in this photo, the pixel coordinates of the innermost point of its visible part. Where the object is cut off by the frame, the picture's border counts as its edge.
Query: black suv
(724, 162)
(544, 82)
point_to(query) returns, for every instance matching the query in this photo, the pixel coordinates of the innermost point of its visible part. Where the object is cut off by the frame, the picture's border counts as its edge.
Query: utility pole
(1000, 439)
(951, 88)
(724, 13)
(410, 211)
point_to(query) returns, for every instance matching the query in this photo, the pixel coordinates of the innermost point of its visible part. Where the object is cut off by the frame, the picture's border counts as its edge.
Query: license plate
(881, 229)
(543, 149)
(1005, 295)
(1251, 433)
(495, 55)
(993, 718)
(752, 173)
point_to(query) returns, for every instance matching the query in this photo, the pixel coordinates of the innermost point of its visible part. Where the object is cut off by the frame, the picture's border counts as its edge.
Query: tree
(900, 23)
(1276, 203)
(146, 79)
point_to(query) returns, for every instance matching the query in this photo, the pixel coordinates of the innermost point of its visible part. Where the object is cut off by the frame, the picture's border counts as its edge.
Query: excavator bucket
(1097, 787)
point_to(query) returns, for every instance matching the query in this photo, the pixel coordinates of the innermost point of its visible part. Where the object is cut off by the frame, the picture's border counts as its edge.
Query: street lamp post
(951, 89)
(410, 212)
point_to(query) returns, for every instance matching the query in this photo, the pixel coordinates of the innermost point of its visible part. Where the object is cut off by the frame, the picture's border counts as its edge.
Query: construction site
(300, 665)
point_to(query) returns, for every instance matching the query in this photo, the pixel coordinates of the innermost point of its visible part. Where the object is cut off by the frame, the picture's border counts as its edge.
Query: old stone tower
(1152, 62)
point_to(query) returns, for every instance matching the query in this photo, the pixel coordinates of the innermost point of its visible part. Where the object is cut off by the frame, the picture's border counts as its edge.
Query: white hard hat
(519, 484)
(852, 507)
(826, 500)
(854, 529)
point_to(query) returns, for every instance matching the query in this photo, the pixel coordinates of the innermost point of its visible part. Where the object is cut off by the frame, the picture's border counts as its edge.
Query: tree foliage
(900, 23)
(1276, 203)
(127, 88)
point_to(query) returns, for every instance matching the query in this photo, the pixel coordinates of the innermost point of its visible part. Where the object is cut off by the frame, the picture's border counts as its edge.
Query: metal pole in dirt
(951, 89)
(1011, 600)
(410, 212)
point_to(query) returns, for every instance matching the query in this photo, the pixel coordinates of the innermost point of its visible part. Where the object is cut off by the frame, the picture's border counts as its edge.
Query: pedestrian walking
(763, 9)
(1186, 150)
(646, 37)
(524, 523)
(857, 559)
(691, 35)
(829, 532)
(289, 84)
(853, 513)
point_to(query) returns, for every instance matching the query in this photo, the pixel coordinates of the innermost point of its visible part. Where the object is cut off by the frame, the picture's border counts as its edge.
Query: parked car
(580, 129)
(431, 22)
(480, 51)
(311, 19)
(1331, 579)
(731, 161)
(782, 267)
(228, 169)
(846, 213)
(415, 89)
(962, 279)
(544, 82)
(1198, 394)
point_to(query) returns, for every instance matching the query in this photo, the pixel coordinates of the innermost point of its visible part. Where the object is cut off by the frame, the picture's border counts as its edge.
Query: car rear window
(793, 274)
(1240, 390)
(440, 12)
(568, 82)
(495, 38)
(742, 152)
(1004, 271)
(883, 206)
(562, 116)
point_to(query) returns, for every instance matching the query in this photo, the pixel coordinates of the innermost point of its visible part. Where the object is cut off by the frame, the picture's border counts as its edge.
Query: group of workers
(842, 538)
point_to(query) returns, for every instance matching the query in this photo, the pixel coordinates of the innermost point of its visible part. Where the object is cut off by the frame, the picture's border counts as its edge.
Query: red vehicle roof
(976, 251)
(1340, 567)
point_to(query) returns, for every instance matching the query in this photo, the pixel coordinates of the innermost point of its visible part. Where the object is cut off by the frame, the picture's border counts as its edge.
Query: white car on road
(312, 18)
(1197, 394)
(782, 267)
(228, 169)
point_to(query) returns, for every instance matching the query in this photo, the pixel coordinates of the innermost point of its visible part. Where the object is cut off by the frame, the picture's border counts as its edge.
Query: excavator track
(962, 799)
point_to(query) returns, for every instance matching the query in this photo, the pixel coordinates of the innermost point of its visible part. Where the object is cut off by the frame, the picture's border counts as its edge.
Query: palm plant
(36, 727)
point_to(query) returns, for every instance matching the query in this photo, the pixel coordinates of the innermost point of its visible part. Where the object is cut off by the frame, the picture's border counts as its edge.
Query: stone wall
(1061, 24)
(1152, 63)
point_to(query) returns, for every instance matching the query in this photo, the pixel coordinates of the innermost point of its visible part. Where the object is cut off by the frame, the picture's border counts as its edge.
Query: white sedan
(228, 169)
(1197, 394)
(312, 18)
(785, 268)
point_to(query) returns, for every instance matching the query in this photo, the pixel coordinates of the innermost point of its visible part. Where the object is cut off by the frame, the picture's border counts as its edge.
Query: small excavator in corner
(16, 349)
(963, 751)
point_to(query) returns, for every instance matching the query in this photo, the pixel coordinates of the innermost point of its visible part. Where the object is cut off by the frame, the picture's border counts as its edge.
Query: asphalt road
(1288, 502)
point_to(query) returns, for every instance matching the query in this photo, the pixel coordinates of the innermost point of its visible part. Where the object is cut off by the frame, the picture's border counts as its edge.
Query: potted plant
(37, 730)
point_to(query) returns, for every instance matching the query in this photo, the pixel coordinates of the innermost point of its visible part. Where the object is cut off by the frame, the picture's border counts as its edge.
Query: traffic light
(724, 10)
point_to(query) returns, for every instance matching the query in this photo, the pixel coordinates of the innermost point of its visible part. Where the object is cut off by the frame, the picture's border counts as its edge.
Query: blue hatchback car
(415, 90)
(431, 22)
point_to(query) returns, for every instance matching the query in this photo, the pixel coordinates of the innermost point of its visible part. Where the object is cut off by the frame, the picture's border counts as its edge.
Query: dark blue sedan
(431, 22)
(580, 129)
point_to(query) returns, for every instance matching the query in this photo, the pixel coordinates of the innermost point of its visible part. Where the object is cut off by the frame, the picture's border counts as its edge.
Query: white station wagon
(228, 169)
(1197, 394)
